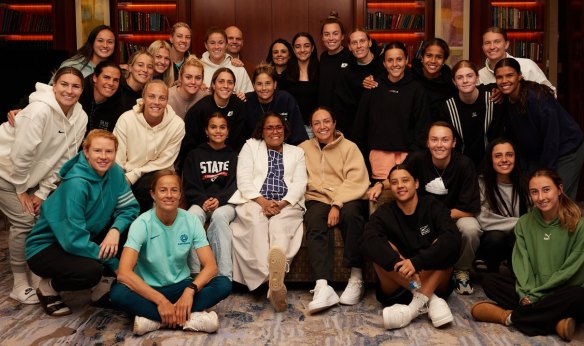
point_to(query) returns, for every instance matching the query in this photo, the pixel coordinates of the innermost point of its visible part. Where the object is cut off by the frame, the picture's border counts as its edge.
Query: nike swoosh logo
(61, 131)
(156, 236)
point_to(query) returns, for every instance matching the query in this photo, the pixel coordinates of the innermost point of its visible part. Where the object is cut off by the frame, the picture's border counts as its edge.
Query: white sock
(321, 283)
(20, 280)
(34, 280)
(418, 301)
(508, 321)
(356, 273)
(46, 287)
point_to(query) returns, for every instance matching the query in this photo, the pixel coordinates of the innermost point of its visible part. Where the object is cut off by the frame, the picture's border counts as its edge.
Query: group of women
(245, 176)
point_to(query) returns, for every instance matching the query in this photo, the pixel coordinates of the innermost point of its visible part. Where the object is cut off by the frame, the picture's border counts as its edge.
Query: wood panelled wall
(265, 21)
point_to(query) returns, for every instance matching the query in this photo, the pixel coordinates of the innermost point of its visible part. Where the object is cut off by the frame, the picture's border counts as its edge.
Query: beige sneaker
(202, 321)
(277, 290)
(142, 325)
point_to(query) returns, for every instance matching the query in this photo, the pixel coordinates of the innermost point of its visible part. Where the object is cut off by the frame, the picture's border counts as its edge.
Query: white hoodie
(143, 148)
(33, 151)
(242, 82)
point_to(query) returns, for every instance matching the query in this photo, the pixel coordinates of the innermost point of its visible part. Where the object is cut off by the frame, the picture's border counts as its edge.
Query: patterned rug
(248, 319)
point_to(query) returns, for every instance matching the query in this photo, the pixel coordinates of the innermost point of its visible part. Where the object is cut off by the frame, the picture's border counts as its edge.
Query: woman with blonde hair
(187, 90)
(160, 50)
(150, 135)
(140, 71)
(180, 40)
(547, 294)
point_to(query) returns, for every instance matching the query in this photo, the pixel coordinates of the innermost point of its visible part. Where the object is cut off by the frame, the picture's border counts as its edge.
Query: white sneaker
(142, 325)
(202, 321)
(324, 297)
(102, 288)
(439, 312)
(398, 316)
(353, 293)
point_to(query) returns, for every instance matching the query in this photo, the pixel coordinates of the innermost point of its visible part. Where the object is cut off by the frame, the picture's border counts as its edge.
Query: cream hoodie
(242, 82)
(33, 151)
(143, 148)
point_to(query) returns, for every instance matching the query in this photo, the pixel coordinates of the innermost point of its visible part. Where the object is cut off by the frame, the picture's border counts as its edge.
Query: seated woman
(503, 200)
(209, 178)
(337, 182)
(266, 98)
(267, 230)
(47, 133)
(76, 239)
(413, 244)
(154, 282)
(547, 293)
(150, 135)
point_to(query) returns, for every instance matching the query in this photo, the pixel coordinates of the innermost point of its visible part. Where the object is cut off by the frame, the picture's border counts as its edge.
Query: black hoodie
(350, 88)
(438, 89)
(209, 173)
(393, 116)
(102, 115)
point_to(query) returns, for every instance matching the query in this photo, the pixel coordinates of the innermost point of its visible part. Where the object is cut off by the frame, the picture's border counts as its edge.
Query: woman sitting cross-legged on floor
(547, 293)
(267, 230)
(76, 238)
(413, 244)
(154, 278)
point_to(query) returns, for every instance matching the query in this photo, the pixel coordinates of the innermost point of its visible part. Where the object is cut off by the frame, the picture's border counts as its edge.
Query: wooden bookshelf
(410, 22)
(27, 24)
(140, 22)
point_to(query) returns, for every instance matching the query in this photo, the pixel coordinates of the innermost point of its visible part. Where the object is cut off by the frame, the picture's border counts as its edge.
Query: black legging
(541, 317)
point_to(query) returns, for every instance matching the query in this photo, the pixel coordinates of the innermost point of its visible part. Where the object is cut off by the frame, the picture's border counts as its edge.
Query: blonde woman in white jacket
(149, 138)
(267, 230)
(47, 133)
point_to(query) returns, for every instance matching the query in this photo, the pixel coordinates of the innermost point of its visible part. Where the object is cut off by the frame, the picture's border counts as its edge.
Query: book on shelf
(12, 21)
(140, 21)
(515, 18)
(127, 48)
(394, 21)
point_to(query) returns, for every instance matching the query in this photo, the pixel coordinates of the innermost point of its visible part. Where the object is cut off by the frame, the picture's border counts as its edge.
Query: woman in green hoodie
(75, 240)
(547, 293)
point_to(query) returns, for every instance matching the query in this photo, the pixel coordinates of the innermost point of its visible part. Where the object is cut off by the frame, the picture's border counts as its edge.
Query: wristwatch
(194, 287)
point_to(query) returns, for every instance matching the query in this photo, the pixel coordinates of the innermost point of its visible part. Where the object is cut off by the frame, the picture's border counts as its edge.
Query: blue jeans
(219, 235)
(123, 298)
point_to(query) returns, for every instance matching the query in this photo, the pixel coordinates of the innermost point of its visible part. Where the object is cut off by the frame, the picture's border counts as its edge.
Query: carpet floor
(248, 319)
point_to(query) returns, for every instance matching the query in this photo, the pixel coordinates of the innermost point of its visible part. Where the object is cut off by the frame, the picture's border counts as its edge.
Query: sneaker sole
(278, 299)
(277, 269)
(350, 302)
(313, 308)
(439, 322)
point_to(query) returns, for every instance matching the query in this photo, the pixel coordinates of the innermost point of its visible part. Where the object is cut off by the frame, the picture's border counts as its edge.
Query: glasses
(277, 128)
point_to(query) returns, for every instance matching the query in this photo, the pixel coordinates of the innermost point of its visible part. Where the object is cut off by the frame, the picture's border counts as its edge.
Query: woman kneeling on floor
(547, 294)
(75, 240)
(413, 244)
(267, 230)
(154, 278)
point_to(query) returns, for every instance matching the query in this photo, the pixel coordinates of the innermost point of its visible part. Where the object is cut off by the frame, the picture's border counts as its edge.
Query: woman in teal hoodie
(547, 293)
(76, 238)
